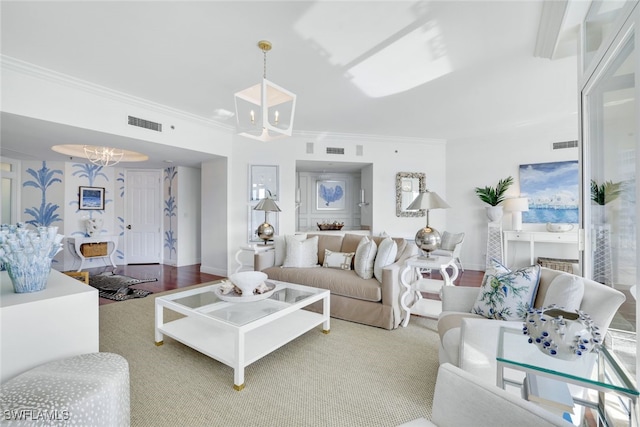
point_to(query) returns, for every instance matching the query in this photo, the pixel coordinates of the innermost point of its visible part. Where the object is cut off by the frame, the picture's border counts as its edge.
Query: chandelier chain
(264, 75)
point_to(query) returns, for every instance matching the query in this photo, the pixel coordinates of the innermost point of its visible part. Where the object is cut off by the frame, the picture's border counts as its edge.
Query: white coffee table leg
(159, 320)
(326, 311)
(238, 369)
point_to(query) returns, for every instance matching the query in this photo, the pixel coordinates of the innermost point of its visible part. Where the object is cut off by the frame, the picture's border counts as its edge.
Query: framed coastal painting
(553, 192)
(263, 182)
(331, 195)
(91, 198)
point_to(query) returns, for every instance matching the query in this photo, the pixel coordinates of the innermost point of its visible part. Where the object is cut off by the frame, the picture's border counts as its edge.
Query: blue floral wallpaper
(170, 208)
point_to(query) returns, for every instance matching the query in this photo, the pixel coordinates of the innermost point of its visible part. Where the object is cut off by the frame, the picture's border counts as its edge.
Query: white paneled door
(143, 217)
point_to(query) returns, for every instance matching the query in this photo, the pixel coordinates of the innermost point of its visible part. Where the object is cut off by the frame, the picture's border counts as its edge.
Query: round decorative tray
(233, 297)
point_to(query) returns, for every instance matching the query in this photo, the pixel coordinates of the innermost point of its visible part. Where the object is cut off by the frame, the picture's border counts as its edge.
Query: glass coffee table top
(206, 302)
(599, 369)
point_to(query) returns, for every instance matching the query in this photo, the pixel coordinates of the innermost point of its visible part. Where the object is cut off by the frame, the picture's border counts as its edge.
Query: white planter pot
(494, 213)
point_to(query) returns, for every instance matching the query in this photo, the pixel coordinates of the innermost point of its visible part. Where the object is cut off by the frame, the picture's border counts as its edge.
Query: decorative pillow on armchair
(506, 294)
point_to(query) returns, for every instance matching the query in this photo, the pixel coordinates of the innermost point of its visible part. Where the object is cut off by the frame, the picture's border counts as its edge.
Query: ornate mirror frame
(407, 178)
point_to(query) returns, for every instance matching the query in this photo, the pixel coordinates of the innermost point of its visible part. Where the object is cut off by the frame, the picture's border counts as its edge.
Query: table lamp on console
(428, 238)
(265, 230)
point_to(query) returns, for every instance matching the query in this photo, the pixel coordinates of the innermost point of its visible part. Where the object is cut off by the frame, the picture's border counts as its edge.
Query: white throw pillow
(301, 254)
(507, 295)
(280, 247)
(341, 260)
(386, 255)
(365, 257)
(565, 291)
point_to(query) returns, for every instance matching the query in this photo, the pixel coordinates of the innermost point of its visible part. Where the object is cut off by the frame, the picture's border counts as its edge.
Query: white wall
(388, 156)
(480, 161)
(215, 221)
(188, 216)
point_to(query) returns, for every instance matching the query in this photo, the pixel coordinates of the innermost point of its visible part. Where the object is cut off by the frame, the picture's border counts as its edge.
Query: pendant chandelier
(103, 156)
(265, 111)
(100, 155)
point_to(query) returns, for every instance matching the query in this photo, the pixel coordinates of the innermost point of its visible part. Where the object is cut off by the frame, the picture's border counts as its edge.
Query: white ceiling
(437, 69)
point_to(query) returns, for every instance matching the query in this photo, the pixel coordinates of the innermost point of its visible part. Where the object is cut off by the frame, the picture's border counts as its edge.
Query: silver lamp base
(265, 231)
(428, 240)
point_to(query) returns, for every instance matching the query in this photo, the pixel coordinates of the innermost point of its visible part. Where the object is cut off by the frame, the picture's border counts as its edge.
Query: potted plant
(605, 193)
(493, 196)
(601, 195)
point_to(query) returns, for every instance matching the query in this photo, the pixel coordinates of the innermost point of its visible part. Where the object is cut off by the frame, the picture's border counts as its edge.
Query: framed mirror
(408, 186)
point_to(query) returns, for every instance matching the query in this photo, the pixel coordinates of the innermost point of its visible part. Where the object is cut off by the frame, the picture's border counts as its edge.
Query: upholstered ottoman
(86, 390)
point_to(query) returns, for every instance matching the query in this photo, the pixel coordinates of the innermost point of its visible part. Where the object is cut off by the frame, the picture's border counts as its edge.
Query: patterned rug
(117, 288)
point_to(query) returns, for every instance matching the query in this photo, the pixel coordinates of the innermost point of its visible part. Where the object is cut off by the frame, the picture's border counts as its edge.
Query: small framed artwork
(91, 198)
(263, 182)
(331, 195)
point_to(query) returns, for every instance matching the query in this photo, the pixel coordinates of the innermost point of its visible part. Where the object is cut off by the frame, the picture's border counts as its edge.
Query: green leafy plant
(606, 192)
(494, 195)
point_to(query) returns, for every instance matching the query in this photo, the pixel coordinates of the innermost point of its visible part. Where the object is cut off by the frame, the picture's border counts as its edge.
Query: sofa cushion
(365, 258)
(385, 255)
(350, 242)
(401, 242)
(506, 294)
(341, 260)
(280, 247)
(566, 291)
(301, 254)
(332, 242)
(340, 282)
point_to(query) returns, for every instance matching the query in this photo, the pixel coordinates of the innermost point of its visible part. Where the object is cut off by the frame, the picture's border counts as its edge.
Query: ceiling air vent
(335, 150)
(565, 144)
(141, 123)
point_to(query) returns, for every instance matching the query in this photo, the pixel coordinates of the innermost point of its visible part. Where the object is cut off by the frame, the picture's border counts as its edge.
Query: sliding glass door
(610, 138)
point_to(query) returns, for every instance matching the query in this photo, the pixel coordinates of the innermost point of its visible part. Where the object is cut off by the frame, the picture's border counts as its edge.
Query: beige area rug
(355, 376)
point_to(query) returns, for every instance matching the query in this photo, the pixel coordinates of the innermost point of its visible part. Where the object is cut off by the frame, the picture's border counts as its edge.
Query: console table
(38, 327)
(253, 249)
(76, 242)
(533, 237)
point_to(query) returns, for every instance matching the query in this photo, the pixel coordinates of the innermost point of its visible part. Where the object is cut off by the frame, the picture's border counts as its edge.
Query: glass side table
(597, 371)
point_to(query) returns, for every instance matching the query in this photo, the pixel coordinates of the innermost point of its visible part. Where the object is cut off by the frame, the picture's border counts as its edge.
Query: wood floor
(169, 277)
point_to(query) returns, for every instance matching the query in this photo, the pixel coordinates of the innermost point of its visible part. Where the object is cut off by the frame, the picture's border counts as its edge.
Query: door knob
(129, 227)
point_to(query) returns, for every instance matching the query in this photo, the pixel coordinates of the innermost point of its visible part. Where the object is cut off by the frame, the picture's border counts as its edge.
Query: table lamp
(265, 230)
(428, 238)
(516, 206)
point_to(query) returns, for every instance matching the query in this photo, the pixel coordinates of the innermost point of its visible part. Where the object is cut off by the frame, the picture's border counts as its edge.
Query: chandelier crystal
(103, 156)
(265, 111)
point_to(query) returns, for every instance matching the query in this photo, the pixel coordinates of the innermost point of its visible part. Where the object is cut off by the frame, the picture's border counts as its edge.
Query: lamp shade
(267, 205)
(516, 204)
(428, 200)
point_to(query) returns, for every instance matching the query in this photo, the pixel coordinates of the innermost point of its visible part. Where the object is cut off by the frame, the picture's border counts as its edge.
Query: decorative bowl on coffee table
(248, 281)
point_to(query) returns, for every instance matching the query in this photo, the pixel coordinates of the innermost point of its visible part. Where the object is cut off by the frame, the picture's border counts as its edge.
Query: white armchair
(464, 336)
(462, 400)
(451, 246)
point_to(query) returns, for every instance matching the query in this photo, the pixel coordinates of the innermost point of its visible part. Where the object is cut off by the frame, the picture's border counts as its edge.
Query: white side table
(411, 278)
(254, 249)
(76, 242)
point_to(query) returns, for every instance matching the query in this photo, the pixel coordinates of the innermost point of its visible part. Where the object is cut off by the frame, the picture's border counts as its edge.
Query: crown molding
(32, 70)
(29, 69)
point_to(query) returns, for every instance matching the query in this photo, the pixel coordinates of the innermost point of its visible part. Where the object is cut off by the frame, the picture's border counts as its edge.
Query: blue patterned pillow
(506, 294)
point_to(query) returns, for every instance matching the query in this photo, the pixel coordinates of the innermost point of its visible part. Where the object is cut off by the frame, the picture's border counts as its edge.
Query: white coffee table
(239, 333)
